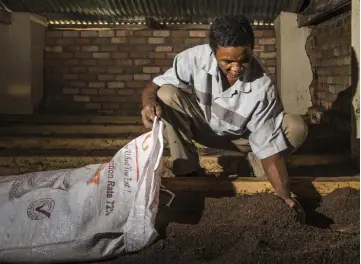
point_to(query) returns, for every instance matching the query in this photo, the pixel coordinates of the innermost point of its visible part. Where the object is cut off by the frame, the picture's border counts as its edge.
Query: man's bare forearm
(276, 171)
(149, 94)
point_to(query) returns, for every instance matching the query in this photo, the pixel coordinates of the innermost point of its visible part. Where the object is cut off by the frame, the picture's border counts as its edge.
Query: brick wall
(329, 49)
(105, 71)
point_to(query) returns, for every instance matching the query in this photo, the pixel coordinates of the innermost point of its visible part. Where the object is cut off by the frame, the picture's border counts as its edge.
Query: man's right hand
(149, 112)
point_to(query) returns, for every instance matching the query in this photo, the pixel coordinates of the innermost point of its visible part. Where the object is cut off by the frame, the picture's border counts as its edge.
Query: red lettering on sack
(96, 178)
(145, 147)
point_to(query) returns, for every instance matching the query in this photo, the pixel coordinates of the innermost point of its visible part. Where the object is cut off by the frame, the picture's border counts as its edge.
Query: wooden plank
(303, 187)
(72, 129)
(68, 119)
(212, 164)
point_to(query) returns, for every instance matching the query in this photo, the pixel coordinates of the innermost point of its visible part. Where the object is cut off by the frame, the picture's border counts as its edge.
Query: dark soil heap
(255, 229)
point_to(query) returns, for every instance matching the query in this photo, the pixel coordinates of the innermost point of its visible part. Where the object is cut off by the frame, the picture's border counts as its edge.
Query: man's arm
(276, 171)
(151, 107)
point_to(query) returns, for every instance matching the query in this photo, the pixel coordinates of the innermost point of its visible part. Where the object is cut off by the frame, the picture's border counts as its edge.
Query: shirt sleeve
(181, 73)
(266, 138)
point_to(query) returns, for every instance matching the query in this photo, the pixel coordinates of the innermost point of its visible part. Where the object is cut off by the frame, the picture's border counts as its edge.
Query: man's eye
(228, 61)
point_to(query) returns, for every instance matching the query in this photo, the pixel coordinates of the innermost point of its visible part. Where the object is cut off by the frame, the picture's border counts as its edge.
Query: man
(234, 105)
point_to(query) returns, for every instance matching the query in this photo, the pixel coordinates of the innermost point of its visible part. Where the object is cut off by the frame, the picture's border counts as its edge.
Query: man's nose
(236, 67)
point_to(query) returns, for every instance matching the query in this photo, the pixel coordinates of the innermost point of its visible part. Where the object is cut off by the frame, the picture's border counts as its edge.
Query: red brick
(134, 40)
(109, 48)
(141, 62)
(136, 84)
(101, 55)
(156, 40)
(144, 47)
(163, 62)
(81, 98)
(270, 62)
(267, 41)
(87, 76)
(194, 41)
(117, 99)
(268, 55)
(106, 33)
(54, 34)
(88, 62)
(161, 33)
(77, 84)
(270, 47)
(119, 40)
(83, 41)
(177, 41)
(101, 41)
(151, 69)
(115, 69)
(97, 69)
(90, 48)
(125, 92)
(71, 62)
(268, 33)
(138, 54)
(163, 49)
(115, 85)
(107, 91)
(133, 69)
(110, 106)
(124, 77)
(54, 49)
(258, 33)
(88, 33)
(71, 34)
(67, 90)
(171, 55)
(143, 33)
(65, 41)
(105, 77)
(141, 77)
(180, 34)
(125, 62)
(198, 34)
(119, 55)
(258, 48)
(83, 55)
(157, 55)
(79, 69)
(96, 84)
(92, 106)
(123, 33)
(89, 91)
(71, 48)
(106, 62)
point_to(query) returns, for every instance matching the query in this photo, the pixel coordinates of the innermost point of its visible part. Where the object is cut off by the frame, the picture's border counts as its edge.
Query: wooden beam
(303, 187)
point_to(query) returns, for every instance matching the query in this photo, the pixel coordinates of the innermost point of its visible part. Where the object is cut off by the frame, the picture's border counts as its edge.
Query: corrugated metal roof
(135, 11)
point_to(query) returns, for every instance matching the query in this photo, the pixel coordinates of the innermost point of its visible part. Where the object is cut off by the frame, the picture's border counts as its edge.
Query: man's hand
(149, 112)
(295, 205)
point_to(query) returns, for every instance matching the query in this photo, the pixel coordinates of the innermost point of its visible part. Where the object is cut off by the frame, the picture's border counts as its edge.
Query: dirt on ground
(255, 229)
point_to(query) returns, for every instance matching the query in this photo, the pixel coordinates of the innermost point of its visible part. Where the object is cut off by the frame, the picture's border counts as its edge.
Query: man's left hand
(295, 205)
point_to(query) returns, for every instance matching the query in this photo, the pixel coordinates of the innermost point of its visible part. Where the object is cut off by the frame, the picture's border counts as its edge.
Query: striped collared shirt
(251, 104)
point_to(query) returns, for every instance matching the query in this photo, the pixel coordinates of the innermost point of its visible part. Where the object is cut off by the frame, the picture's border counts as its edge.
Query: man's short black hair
(230, 31)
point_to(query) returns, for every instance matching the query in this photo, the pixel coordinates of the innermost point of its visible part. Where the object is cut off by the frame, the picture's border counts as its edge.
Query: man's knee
(167, 94)
(295, 129)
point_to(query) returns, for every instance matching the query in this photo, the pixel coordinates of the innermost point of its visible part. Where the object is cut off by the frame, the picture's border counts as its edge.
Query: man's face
(233, 61)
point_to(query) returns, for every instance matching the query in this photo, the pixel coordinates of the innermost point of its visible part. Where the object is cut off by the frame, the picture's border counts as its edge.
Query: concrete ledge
(303, 187)
(12, 165)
